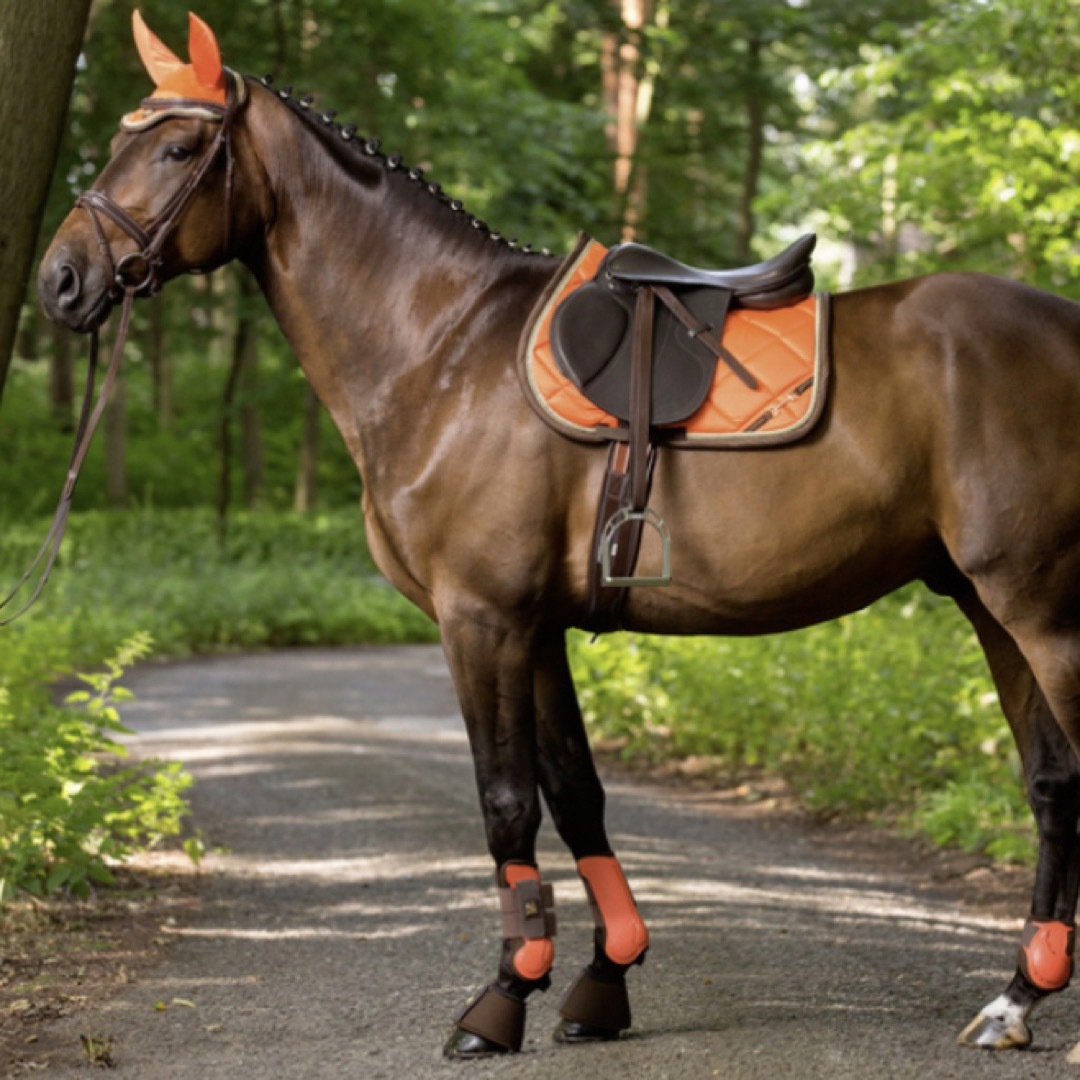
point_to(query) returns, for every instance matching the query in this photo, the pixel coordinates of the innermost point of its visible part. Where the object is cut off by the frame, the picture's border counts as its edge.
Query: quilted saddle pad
(786, 350)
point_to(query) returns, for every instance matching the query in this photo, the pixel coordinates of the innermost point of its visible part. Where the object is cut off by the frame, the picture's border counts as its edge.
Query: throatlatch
(1046, 953)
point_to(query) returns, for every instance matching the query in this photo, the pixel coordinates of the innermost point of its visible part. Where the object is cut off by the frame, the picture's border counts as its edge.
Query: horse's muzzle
(73, 291)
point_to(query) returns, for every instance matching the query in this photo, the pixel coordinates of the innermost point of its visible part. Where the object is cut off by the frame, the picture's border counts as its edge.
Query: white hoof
(1000, 1026)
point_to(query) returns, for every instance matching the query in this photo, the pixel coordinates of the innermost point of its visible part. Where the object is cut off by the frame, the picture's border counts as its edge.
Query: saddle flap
(592, 343)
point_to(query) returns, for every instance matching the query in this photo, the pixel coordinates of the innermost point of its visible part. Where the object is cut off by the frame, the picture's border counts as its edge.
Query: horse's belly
(777, 540)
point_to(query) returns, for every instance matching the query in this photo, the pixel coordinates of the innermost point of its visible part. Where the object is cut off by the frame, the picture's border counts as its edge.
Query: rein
(134, 274)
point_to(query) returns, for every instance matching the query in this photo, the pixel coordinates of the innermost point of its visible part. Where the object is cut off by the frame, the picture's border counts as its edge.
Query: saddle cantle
(592, 331)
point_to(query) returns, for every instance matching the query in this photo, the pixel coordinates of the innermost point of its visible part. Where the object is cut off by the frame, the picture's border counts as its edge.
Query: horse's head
(163, 203)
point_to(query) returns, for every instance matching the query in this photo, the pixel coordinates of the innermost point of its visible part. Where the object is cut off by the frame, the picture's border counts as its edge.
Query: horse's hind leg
(1052, 773)
(597, 1006)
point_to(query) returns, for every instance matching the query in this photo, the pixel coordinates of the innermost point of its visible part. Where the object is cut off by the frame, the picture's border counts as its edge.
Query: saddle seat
(594, 329)
(782, 280)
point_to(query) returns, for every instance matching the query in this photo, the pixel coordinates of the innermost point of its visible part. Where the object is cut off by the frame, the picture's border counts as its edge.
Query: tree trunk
(26, 344)
(39, 44)
(628, 83)
(247, 358)
(116, 486)
(304, 497)
(161, 372)
(755, 147)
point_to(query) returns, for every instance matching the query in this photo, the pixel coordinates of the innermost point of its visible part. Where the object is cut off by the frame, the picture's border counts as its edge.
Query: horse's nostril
(68, 285)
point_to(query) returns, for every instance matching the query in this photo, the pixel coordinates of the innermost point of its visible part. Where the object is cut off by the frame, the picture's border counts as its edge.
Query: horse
(943, 455)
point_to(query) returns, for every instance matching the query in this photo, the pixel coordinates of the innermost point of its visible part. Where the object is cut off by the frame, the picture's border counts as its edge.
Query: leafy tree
(965, 147)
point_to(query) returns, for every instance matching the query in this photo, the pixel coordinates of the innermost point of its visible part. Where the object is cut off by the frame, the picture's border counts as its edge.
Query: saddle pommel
(784, 279)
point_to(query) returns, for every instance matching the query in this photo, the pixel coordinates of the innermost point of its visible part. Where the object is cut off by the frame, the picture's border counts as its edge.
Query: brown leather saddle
(642, 341)
(593, 331)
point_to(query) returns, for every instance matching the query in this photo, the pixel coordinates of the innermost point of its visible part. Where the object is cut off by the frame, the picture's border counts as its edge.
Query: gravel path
(354, 910)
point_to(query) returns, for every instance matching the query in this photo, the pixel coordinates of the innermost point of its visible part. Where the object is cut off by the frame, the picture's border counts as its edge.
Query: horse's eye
(176, 152)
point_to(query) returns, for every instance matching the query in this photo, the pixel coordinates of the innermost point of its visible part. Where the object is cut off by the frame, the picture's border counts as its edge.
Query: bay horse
(946, 453)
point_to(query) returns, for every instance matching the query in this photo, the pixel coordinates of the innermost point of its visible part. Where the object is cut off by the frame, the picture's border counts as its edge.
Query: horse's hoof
(570, 1031)
(1000, 1026)
(465, 1045)
(491, 1023)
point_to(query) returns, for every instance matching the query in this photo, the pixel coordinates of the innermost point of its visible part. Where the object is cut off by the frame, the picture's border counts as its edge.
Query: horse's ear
(159, 59)
(204, 52)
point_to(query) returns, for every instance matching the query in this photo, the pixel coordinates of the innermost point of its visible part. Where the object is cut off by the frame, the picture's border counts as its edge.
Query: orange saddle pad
(785, 350)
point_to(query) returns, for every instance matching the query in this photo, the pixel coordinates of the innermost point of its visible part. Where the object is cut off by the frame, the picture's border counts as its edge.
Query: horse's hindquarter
(1007, 453)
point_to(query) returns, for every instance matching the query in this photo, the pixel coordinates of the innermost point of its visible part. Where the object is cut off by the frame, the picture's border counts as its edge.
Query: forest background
(220, 509)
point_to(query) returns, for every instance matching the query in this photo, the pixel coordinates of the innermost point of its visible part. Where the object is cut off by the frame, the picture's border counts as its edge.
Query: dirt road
(353, 911)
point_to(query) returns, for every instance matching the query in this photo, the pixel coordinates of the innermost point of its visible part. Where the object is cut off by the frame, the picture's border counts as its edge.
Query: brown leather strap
(641, 369)
(709, 336)
(528, 910)
(628, 476)
(84, 434)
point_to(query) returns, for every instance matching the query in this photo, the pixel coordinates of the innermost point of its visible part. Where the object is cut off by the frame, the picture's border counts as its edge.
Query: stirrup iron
(609, 543)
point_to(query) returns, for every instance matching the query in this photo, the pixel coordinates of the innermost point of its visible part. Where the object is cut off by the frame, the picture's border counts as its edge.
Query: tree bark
(628, 83)
(755, 147)
(247, 358)
(304, 497)
(116, 485)
(39, 45)
(161, 373)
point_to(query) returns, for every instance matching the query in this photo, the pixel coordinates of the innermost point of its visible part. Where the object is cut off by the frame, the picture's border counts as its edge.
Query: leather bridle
(140, 269)
(138, 273)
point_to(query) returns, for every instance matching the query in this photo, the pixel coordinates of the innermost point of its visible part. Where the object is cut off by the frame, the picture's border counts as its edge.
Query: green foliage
(278, 579)
(888, 713)
(960, 146)
(67, 809)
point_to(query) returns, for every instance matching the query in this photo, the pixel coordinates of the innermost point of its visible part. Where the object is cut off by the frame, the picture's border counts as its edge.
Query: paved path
(354, 910)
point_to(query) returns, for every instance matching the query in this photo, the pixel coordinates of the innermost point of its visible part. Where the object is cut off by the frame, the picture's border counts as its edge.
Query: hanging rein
(138, 273)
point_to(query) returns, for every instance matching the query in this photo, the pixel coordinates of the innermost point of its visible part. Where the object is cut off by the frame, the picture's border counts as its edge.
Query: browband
(153, 110)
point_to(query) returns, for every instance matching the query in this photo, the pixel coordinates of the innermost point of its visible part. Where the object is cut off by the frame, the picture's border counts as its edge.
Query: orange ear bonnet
(203, 80)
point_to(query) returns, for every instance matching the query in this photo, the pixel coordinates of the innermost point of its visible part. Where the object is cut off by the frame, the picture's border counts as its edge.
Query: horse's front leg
(492, 662)
(597, 1006)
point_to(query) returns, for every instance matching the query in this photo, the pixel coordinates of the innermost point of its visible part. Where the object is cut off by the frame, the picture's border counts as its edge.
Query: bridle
(140, 270)
(138, 273)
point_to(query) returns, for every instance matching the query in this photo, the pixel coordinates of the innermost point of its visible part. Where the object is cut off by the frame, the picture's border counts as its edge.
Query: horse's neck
(372, 279)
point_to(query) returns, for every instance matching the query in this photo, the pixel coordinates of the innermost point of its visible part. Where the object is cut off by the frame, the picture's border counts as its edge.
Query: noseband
(138, 273)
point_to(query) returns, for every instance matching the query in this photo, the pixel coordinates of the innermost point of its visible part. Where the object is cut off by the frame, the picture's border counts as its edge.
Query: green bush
(67, 808)
(889, 714)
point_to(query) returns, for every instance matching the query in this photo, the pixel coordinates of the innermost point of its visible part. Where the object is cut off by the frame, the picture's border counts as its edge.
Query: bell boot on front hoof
(593, 1010)
(493, 1023)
